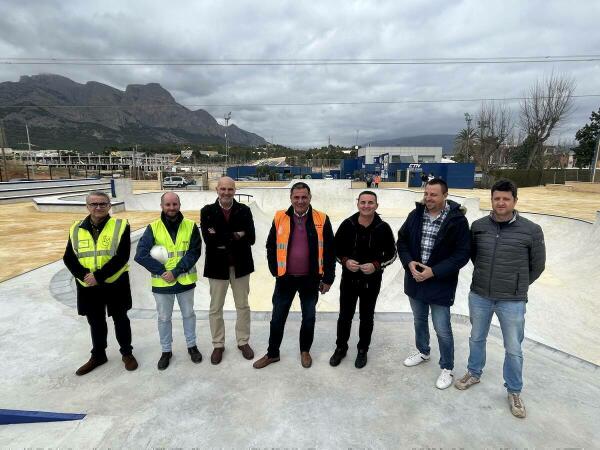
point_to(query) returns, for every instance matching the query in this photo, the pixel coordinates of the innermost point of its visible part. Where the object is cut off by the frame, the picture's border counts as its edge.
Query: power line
(241, 105)
(298, 61)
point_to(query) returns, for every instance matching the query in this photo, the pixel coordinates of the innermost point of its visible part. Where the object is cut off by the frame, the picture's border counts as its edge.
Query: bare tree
(545, 104)
(494, 126)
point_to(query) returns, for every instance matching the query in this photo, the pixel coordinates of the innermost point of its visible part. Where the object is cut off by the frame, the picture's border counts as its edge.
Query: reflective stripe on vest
(94, 255)
(175, 251)
(282, 230)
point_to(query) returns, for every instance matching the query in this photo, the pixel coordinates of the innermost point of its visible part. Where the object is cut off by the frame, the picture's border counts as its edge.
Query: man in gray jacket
(508, 254)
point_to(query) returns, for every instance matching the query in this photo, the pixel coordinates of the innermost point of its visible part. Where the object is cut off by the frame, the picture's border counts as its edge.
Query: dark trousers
(350, 291)
(286, 287)
(99, 331)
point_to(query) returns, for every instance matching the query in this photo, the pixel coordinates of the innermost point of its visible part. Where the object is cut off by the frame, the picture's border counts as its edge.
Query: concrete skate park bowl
(383, 405)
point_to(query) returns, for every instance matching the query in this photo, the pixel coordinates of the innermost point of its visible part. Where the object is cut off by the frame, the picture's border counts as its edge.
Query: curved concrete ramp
(233, 405)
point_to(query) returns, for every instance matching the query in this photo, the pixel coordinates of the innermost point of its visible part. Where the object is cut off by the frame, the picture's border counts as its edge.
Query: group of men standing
(433, 244)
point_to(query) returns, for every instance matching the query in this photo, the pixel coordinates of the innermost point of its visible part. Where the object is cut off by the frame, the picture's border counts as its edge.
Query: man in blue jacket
(176, 276)
(433, 245)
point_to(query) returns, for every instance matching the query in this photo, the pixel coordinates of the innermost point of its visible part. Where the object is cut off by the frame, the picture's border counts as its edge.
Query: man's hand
(90, 279)
(168, 276)
(237, 235)
(367, 268)
(352, 265)
(413, 269)
(425, 274)
(324, 288)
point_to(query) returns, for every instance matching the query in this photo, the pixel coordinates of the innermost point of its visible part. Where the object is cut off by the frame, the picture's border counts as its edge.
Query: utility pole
(356, 141)
(595, 160)
(2, 144)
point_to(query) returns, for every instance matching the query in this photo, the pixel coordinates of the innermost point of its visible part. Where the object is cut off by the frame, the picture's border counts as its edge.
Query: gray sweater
(507, 258)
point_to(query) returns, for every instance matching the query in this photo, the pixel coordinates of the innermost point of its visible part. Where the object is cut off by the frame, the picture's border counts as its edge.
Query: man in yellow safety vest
(175, 277)
(301, 255)
(97, 255)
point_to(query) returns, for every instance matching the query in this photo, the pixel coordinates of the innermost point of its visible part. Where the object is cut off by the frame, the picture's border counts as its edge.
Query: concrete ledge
(71, 203)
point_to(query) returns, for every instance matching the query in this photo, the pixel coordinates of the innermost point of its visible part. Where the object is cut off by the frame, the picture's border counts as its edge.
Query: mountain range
(62, 113)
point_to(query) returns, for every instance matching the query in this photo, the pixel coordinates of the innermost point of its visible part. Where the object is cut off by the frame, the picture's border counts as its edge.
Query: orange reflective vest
(282, 227)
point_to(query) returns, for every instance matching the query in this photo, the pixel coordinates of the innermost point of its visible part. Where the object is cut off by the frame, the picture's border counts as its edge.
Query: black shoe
(163, 362)
(337, 357)
(195, 354)
(361, 359)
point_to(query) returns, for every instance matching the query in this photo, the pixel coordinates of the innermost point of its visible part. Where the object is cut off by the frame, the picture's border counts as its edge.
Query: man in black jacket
(508, 254)
(364, 246)
(301, 255)
(433, 245)
(102, 278)
(228, 231)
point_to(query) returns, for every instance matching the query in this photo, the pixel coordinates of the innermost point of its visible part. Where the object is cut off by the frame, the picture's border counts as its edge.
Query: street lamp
(468, 120)
(227, 117)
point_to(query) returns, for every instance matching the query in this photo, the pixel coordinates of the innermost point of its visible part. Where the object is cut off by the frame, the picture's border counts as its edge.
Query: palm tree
(464, 142)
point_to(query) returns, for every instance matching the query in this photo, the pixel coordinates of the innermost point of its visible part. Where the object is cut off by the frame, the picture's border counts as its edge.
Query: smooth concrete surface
(384, 405)
(43, 341)
(563, 303)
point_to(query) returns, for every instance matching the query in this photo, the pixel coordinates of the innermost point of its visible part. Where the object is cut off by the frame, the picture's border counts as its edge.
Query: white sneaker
(415, 358)
(445, 379)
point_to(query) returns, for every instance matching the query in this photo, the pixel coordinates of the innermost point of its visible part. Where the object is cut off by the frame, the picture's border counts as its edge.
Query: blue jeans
(440, 316)
(164, 307)
(511, 315)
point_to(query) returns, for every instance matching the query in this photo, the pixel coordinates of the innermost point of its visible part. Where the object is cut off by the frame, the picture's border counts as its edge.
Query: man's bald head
(170, 204)
(226, 181)
(169, 196)
(226, 191)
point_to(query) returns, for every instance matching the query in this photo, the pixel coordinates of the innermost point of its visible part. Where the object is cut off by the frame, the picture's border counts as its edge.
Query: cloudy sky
(236, 31)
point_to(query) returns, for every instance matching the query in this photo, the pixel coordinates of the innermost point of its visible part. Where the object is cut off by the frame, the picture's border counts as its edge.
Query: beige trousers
(218, 289)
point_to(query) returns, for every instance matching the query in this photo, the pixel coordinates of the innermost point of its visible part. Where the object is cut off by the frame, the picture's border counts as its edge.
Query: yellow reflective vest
(94, 255)
(282, 227)
(176, 250)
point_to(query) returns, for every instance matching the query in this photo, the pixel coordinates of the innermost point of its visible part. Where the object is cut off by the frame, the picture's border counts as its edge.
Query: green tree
(587, 138)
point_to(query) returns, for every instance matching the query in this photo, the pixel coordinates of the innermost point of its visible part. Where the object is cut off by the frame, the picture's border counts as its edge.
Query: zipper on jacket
(493, 259)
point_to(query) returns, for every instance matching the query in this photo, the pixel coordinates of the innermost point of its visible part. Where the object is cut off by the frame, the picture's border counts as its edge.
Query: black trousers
(286, 287)
(99, 331)
(351, 290)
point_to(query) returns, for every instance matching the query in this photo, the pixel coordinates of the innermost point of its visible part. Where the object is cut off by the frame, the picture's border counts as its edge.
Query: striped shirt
(430, 228)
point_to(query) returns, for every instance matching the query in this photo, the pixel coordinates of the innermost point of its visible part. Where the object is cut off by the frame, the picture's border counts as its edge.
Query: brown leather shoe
(130, 362)
(247, 351)
(305, 359)
(90, 365)
(217, 355)
(264, 362)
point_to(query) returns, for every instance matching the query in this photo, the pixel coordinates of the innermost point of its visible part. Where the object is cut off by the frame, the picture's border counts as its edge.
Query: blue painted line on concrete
(13, 416)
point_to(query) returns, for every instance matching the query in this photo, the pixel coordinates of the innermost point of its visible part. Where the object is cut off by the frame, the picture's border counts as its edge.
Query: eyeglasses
(98, 205)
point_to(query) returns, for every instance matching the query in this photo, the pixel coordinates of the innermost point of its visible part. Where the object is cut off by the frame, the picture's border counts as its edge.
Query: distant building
(402, 154)
(209, 153)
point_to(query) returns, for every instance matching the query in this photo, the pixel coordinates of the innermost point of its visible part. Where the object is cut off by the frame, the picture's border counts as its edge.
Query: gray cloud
(327, 30)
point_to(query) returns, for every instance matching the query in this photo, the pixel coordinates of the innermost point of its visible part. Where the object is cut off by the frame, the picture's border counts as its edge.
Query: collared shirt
(431, 227)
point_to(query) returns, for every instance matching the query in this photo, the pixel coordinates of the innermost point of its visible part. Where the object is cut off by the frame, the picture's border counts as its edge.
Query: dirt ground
(30, 238)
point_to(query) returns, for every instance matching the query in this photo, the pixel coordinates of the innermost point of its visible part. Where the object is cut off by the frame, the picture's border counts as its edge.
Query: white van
(174, 182)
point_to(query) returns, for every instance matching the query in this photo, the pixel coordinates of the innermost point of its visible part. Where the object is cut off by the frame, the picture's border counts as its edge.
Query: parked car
(174, 182)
